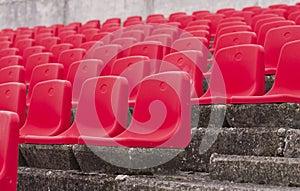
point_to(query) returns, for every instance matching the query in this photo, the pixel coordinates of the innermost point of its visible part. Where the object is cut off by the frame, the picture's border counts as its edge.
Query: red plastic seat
(79, 72)
(92, 24)
(134, 69)
(59, 48)
(43, 72)
(137, 34)
(75, 39)
(277, 6)
(38, 38)
(184, 20)
(261, 22)
(200, 12)
(255, 9)
(67, 57)
(164, 39)
(35, 60)
(105, 37)
(10, 61)
(49, 42)
(235, 38)
(9, 150)
(266, 27)
(172, 16)
(200, 22)
(292, 16)
(224, 10)
(132, 23)
(230, 29)
(90, 45)
(197, 33)
(171, 31)
(197, 27)
(160, 119)
(108, 54)
(237, 71)
(14, 73)
(279, 12)
(229, 24)
(190, 43)
(13, 96)
(232, 19)
(5, 44)
(215, 19)
(246, 14)
(286, 87)
(146, 28)
(154, 16)
(189, 61)
(275, 39)
(23, 44)
(30, 51)
(89, 33)
(49, 112)
(8, 52)
(256, 18)
(64, 34)
(151, 49)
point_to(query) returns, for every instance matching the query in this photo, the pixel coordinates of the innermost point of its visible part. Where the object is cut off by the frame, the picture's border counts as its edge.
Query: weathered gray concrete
(292, 144)
(58, 157)
(45, 180)
(16, 13)
(205, 142)
(273, 115)
(260, 170)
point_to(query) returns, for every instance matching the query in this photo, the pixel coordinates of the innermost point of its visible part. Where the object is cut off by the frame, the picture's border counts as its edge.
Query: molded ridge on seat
(237, 70)
(49, 112)
(160, 119)
(275, 39)
(286, 87)
(12, 99)
(9, 132)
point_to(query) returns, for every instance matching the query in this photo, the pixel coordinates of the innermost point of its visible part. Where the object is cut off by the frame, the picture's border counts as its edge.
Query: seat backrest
(189, 61)
(13, 96)
(67, 57)
(275, 39)
(230, 29)
(91, 44)
(105, 37)
(125, 43)
(172, 31)
(89, 33)
(137, 34)
(164, 114)
(190, 43)
(38, 38)
(35, 60)
(10, 61)
(43, 72)
(240, 68)
(197, 27)
(5, 44)
(279, 12)
(9, 132)
(256, 18)
(263, 21)
(49, 42)
(14, 73)
(102, 107)
(8, 52)
(287, 74)
(23, 44)
(30, 51)
(79, 72)
(49, 112)
(246, 14)
(184, 20)
(235, 38)
(165, 40)
(75, 39)
(215, 19)
(59, 48)
(196, 33)
(261, 36)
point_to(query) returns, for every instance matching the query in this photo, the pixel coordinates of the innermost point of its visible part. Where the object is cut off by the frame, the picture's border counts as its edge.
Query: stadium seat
(235, 38)
(190, 43)
(23, 44)
(134, 69)
(43, 72)
(13, 96)
(189, 61)
(215, 19)
(232, 19)
(184, 20)
(108, 54)
(49, 112)
(151, 49)
(9, 132)
(146, 28)
(154, 16)
(286, 87)
(89, 33)
(172, 31)
(275, 39)
(237, 71)
(197, 33)
(256, 18)
(42, 36)
(15, 73)
(79, 72)
(279, 12)
(247, 15)
(92, 24)
(197, 27)
(67, 57)
(75, 39)
(105, 37)
(261, 36)
(10, 61)
(49, 42)
(59, 48)
(230, 29)
(137, 34)
(91, 44)
(35, 60)
(30, 51)
(5, 44)
(160, 119)
(164, 39)
(8, 52)
(261, 22)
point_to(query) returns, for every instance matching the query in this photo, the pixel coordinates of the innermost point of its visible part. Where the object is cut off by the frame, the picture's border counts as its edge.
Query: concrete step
(252, 169)
(31, 179)
(205, 142)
